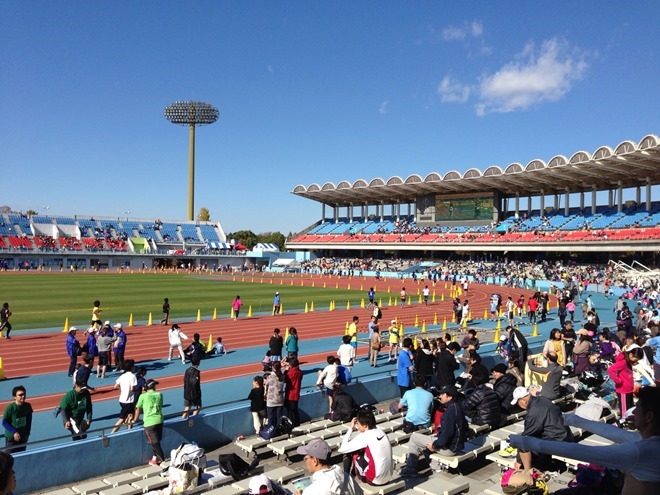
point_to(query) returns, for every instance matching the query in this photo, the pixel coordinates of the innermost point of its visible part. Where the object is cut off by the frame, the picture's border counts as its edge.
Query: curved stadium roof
(629, 163)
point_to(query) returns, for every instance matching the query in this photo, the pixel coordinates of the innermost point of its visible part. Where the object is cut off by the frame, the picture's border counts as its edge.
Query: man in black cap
(75, 405)
(449, 440)
(504, 385)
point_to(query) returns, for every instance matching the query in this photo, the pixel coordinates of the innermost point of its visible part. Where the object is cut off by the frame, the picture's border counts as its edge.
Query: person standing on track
(166, 312)
(4, 320)
(236, 307)
(176, 336)
(119, 346)
(403, 296)
(277, 304)
(104, 344)
(96, 314)
(72, 349)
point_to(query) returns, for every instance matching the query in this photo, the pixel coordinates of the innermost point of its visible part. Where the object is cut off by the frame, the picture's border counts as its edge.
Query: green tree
(204, 214)
(30, 213)
(245, 237)
(276, 238)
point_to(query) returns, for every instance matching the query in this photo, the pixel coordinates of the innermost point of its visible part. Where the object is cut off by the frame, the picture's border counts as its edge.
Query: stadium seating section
(19, 232)
(634, 223)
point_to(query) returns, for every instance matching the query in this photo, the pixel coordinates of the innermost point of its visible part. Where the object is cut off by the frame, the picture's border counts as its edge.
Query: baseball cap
(393, 321)
(519, 393)
(317, 448)
(260, 485)
(277, 293)
(73, 329)
(449, 390)
(107, 322)
(150, 384)
(502, 338)
(117, 325)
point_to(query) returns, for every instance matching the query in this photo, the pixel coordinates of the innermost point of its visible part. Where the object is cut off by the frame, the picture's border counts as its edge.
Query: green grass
(44, 300)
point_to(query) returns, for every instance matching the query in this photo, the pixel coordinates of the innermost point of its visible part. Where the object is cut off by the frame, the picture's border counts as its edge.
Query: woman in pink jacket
(621, 373)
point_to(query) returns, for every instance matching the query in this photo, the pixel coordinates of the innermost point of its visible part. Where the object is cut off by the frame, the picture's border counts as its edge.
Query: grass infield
(45, 300)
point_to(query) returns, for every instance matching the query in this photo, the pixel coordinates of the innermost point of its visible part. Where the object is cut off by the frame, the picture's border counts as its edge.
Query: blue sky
(308, 91)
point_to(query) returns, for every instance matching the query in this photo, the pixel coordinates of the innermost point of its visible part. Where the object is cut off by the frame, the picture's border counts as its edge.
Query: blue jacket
(453, 428)
(402, 372)
(71, 342)
(92, 348)
(121, 340)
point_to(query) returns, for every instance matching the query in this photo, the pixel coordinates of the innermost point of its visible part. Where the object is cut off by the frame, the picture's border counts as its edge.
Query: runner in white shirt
(126, 384)
(346, 352)
(176, 336)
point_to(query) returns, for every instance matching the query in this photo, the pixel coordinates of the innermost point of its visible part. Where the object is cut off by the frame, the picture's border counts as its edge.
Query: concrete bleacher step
(121, 490)
(438, 486)
(225, 490)
(90, 487)
(392, 486)
(147, 471)
(148, 484)
(121, 479)
(61, 491)
(280, 475)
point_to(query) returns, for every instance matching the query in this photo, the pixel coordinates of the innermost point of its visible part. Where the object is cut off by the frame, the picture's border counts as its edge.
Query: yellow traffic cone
(361, 287)
(388, 290)
(419, 299)
(291, 284)
(470, 315)
(442, 296)
(336, 285)
(389, 302)
(380, 302)
(453, 317)
(499, 325)
(435, 318)
(151, 320)
(66, 324)
(281, 311)
(416, 321)
(415, 344)
(311, 307)
(453, 338)
(215, 313)
(306, 308)
(433, 298)
(313, 284)
(271, 281)
(233, 279)
(444, 323)
(423, 326)
(2, 371)
(362, 303)
(324, 286)
(464, 324)
(210, 346)
(231, 314)
(485, 314)
(497, 336)
(349, 286)
(286, 334)
(348, 304)
(535, 332)
(199, 315)
(249, 311)
(130, 320)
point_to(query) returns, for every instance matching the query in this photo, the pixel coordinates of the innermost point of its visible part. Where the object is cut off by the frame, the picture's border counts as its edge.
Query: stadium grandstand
(575, 204)
(48, 242)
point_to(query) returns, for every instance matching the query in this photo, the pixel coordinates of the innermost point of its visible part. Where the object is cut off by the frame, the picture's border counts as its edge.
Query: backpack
(343, 375)
(285, 426)
(267, 432)
(233, 465)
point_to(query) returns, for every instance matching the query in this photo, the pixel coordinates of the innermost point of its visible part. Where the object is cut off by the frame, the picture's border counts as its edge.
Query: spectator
(196, 348)
(4, 320)
(326, 479)
(17, 421)
(75, 405)
(327, 378)
(450, 439)
(293, 380)
(192, 389)
(551, 388)
(504, 385)
(344, 406)
(393, 341)
(119, 346)
(635, 453)
(91, 345)
(346, 352)
(7, 474)
(175, 337)
(556, 344)
(470, 341)
(85, 371)
(375, 343)
(126, 384)
(543, 420)
(72, 349)
(405, 366)
(274, 384)
(371, 452)
(263, 485)
(257, 403)
(419, 405)
(581, 352)
(219, 347)
(621, 373)
(291, 344)
(446, 364)
(423, 360)
(276, 344)
(151, 402)
(518, 344)
(353, 330)
(482, 404)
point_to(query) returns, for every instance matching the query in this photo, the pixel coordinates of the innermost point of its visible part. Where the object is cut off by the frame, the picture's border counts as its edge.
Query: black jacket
(504, 387)
(423, 362)
(275, 344)
(445, 365)
(483, 406)
(453, 428)
(344, 407)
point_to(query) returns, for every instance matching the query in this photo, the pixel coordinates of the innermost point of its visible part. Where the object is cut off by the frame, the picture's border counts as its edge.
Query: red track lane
(45, 353)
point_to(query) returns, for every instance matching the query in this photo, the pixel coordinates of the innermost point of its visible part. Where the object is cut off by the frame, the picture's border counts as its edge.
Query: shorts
(192, 402)
(329, 392)
(103, 358)
(127, 409)
(354, 343)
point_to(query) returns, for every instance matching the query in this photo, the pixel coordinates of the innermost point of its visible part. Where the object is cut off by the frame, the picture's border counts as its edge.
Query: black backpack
(233, 465)
(285, 426)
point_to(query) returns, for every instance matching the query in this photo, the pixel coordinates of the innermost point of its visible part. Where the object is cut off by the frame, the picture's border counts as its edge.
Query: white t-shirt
(328, 376)
(175, 336)
(346, 354)
(126, 383)
(378, 453)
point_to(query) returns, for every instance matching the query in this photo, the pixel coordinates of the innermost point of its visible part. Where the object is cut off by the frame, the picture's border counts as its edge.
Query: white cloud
(538, 75)
(475, 29)
(384, 107)
(270, 68)
(452, 91)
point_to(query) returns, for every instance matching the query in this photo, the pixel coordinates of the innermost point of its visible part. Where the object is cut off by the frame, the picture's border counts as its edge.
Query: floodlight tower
(191, 113)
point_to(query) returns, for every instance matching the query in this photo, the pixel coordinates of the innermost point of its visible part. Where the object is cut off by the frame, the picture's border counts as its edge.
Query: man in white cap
(326, 479)
(544, 421)
(263, 485)
(72, 349)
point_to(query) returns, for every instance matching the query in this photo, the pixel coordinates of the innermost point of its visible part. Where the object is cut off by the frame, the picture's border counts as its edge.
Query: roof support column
(529, 206)
(581, 200)
(335, 213)
(648, 194)
(382, 211)
(610, 198)
(567, 206)
(638, 195)
(593, 200)
(409, 209)
(322, 212)
(350, 213)
(398, 210)
(517, 210)
(619, 206)
(542, 203)
(556, 205)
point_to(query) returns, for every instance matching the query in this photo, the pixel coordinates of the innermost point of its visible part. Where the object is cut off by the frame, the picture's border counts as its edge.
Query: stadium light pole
(191, 113)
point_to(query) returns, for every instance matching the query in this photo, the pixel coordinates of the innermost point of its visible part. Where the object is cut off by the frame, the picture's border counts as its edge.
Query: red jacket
(293, 380)
(621, 374)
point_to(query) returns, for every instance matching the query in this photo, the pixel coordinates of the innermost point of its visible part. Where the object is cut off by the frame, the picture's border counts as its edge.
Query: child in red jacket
(621, 373)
